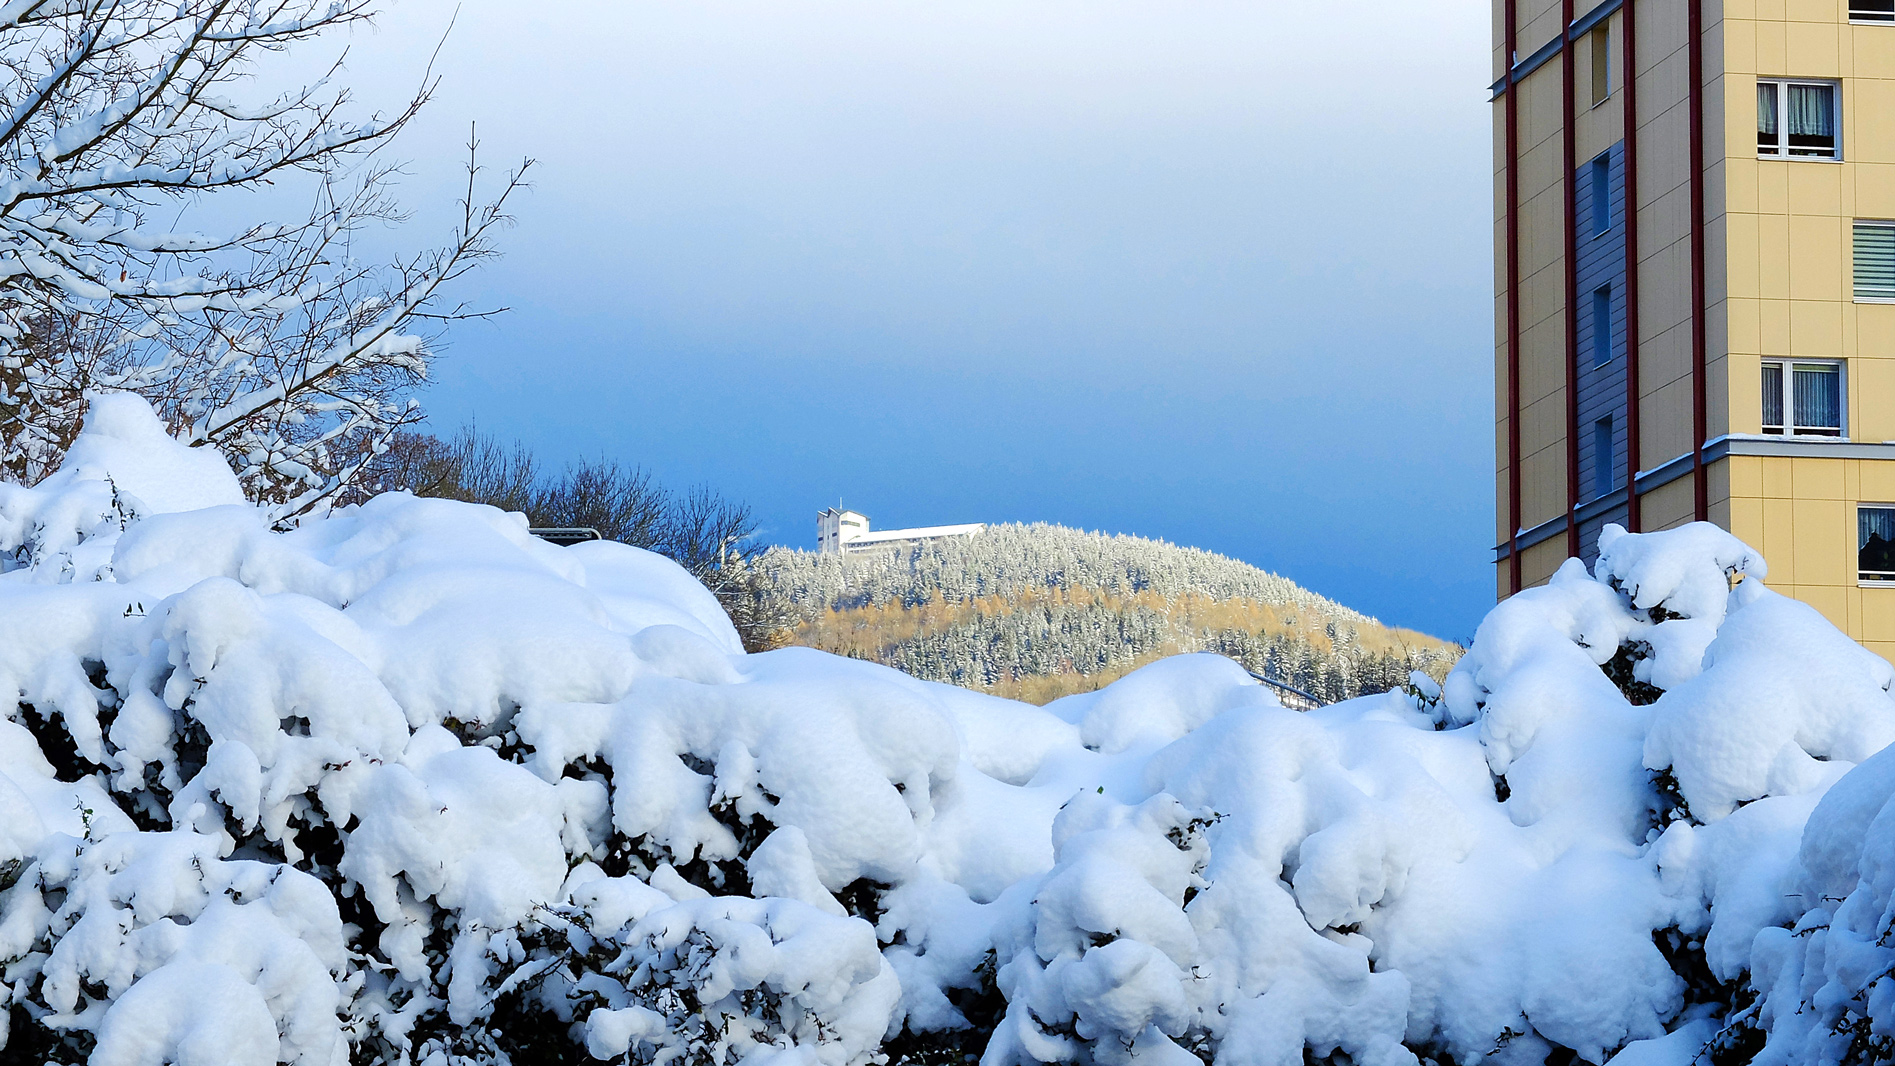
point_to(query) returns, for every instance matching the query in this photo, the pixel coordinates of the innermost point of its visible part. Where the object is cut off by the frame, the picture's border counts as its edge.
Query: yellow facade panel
(1777, 478)
(1772, 181)
(1741, 242)
(1875, 332)
(1773, 328)
(1773, 256)
(1663, 174)
(1538, 25)
(1667, 431)
(1870, 135)
(1816, 328)
(1874, 188)
(1538, 563)
(1740, 185)
(1816, 479)
(1542, 369)
(1669, 505)
(1745, 403)
(1822, 555)
(1815, 249)
(1740, 38)
(1543, 486)
(1812, 46)
(1746, 476)
(1773, 49)
(1878, 618)
(1540, 105)
(1746, 521)
(1667, 294)
(1743, 321)
(1543, 425)
(1871, 382)
(1779, 538)
(1871, 50)
(1878, 480)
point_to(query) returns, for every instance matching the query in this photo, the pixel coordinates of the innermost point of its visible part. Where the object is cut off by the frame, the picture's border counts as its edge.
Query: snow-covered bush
(406, 784)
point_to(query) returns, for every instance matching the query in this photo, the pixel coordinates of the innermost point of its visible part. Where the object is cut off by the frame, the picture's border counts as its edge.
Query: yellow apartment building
(1695, 286)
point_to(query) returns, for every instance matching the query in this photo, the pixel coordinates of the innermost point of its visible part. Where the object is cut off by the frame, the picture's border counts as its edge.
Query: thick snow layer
(406, 784)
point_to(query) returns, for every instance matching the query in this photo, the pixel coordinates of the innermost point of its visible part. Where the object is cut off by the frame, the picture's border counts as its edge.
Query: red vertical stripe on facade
(1695, 60)
(1569, 143)
(1511, 108)
(1629, 90)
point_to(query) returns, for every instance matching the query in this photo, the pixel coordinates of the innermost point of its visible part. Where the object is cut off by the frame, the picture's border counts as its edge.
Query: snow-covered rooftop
(918, 533)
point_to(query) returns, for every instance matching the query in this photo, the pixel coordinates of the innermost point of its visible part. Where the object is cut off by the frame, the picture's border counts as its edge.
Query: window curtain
(1773, 395)
(1809, 111)
(1767, 112)
(1818, 397)
(1875, 540)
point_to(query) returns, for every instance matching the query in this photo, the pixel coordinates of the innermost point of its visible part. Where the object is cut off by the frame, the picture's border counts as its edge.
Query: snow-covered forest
(401, 783)
(1041, 611)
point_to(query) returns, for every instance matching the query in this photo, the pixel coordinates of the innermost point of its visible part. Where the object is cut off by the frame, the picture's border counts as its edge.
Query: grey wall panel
(1601, 262)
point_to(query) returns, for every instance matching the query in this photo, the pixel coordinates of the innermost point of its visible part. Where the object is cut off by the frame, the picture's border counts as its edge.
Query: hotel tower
(1695, 277)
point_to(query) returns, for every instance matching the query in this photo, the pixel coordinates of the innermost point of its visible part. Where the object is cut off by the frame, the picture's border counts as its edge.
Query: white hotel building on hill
(841, 532)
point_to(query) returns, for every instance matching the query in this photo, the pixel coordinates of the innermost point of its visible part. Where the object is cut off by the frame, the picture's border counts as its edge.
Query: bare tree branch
(275, 343)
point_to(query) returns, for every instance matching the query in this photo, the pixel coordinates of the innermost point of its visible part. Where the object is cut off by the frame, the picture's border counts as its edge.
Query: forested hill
(1039, 611)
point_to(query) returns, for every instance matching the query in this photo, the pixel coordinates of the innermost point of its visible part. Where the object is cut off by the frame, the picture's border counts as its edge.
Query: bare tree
(274, 342)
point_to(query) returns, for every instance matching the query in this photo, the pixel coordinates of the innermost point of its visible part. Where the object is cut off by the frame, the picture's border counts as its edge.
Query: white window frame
(1855, 224)
(1883, 579)
(1868, 19)
(1789, 397)
(1783, 119)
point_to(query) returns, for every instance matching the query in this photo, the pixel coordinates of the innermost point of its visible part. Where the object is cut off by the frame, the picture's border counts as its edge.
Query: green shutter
(1875, 261)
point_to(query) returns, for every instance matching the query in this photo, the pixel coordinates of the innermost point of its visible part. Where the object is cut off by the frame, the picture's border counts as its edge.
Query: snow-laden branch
(273, 341)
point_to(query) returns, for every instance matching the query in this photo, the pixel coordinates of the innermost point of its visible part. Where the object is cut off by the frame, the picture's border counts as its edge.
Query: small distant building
(840, 532)
(834, 527)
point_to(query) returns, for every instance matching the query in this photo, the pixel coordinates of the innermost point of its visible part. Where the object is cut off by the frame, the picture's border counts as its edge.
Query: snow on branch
(282, 343)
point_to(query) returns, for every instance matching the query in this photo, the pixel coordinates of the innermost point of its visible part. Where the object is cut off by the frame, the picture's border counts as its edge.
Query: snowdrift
(405, 784)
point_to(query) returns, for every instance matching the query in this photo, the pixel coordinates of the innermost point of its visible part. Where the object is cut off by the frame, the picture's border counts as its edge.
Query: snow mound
(407, 785)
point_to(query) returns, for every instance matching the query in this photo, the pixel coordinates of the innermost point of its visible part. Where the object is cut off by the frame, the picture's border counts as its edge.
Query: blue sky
(1211, 272)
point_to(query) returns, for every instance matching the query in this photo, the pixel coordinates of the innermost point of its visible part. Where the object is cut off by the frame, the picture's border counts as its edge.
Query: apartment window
(1875, 543)
(1601, 39)
(1797, 119)
(1602, 456)
(1875, 259)
(1602, 326)
(1809, 393)
(1872, 10)
(1602, 195)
